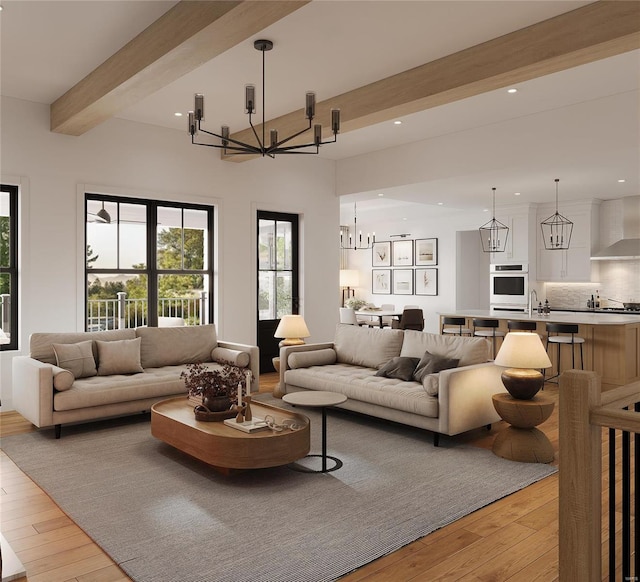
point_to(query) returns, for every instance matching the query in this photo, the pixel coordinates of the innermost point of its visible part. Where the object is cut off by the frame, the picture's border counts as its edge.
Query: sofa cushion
(369, 347)
(119, 357)
(432, 364)
(41, 343)
(358, 383)
(235, 357)
(469, 350)
(399, 368)
(312, 358)
(77, 358)
(172, 346)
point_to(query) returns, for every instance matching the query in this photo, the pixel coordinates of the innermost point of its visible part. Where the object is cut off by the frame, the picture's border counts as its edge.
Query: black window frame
(12, 268)
(152, 271)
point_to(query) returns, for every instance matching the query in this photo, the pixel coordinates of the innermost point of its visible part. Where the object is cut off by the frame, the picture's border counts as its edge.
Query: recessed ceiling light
(621, 180)
(440, 203)
(178, 114)
(381, 194)
(485, 210)
(404, 219)
(397, 122)
(512, 90)
(516, 193)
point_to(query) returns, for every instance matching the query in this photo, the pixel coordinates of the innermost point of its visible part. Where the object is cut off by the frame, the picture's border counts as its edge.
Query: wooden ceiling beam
(184, 38)
(596, 31)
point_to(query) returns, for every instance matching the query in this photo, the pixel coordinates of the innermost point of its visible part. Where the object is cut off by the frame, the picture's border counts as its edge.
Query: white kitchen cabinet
(573, 264)
(521, 240)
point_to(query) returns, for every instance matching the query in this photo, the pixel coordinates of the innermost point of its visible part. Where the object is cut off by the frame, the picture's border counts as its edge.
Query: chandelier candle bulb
(192, 123)
(274, 137)
(310, 105)
(224, 132)
(199, 106)
(249, 98)
(335, 121)
(317, 134)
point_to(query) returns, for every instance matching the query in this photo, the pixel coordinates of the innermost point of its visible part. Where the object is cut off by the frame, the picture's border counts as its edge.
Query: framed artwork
(426, 251)
(402, 253)
(403, 282)
(426, 281)
(381, 281)
(381, 256)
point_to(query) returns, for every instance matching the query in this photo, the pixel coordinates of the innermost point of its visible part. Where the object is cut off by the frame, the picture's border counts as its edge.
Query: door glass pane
(266, 295)
(266, 244)
(5, 230)
(104, 311)
(284, 292)
(5, 304)
(132, 220)
(284, 255)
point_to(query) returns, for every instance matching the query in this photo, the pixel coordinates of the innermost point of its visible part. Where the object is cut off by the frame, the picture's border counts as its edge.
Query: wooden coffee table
(221, 446)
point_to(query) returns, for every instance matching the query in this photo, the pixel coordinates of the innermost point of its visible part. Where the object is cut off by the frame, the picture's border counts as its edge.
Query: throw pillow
(432, 364)
(119, 357)
(399, 368)
(77, 358)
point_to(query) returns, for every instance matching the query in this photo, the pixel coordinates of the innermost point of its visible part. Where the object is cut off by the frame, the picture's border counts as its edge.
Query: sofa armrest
(281, 390)
(254, 357)
(33, 390)
(464, 397)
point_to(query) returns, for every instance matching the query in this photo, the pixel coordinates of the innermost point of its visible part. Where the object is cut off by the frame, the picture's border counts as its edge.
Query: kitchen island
(612, 341)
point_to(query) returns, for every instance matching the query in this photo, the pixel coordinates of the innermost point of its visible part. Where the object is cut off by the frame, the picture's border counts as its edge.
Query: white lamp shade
(522, 350)
(349, 278)
(292, 326)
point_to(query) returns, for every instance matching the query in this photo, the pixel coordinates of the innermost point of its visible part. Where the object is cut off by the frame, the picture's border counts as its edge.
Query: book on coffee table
(248, 425)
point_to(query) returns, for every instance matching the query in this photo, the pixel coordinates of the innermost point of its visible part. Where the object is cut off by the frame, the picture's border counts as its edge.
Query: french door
(277, 278)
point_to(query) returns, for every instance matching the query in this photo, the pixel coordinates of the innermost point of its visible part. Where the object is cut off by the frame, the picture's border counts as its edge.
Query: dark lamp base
(521, 383)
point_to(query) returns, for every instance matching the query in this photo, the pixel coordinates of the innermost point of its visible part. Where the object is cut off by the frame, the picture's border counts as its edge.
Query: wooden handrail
(583, 410)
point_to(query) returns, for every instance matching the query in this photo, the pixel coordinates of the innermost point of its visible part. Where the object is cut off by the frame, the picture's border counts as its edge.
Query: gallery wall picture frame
(426, 251)
(426, 281)
(403, 282)
(381, 254)
(402, 253)
(381, 281)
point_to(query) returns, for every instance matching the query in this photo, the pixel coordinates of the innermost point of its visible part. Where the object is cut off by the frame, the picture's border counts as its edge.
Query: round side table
(318, 399)
(522, 441)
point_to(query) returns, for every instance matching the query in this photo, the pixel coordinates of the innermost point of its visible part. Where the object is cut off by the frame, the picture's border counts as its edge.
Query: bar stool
(459, 321)
(572, 340)
(490, 330)
(521, 325)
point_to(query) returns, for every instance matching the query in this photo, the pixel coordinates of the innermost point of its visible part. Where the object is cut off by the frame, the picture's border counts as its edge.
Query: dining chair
(410, 319)
(348, 316)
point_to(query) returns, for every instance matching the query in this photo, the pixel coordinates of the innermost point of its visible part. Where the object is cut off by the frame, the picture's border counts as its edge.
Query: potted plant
(355, 304)
(216, 386)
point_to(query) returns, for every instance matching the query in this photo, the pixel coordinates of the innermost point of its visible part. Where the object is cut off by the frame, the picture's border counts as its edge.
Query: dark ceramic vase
(216, 403)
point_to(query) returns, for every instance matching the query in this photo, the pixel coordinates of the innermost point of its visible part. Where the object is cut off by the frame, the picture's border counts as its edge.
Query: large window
(8, 267)
(147, 263)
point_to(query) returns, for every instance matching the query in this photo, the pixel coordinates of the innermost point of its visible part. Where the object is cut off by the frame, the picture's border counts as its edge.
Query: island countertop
(612, 340)
(553, 317)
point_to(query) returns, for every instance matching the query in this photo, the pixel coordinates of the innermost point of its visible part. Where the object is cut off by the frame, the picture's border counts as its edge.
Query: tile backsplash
(618, 280)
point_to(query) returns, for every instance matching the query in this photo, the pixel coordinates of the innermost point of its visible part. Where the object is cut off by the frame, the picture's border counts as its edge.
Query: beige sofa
(134, 368)
(448, 402)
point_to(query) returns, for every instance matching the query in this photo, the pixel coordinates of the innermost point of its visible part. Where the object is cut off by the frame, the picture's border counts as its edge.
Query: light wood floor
(513, 539)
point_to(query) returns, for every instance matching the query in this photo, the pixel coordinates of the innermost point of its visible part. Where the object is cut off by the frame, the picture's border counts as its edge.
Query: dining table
(373, 312)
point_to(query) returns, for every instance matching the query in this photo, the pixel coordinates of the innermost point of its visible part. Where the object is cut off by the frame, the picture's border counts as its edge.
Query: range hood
(629, 246)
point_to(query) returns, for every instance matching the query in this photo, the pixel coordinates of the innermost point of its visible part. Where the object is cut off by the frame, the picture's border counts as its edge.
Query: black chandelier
(556, 230)
(354, 243)
(231, 146)
(493, 234)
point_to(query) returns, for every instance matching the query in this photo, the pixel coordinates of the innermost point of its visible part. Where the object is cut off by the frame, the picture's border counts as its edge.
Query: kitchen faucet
(533, 292)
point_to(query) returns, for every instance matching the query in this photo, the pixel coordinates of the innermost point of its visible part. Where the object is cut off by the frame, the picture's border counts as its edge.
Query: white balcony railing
(124, 313)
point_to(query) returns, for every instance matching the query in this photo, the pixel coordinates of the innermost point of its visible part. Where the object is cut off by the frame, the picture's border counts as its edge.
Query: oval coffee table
(317, 399)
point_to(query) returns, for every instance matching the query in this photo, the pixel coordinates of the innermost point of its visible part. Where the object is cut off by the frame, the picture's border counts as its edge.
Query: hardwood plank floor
(513, 539)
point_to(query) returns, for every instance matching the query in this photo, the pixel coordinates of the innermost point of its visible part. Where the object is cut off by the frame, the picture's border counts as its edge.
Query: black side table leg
(324, 439)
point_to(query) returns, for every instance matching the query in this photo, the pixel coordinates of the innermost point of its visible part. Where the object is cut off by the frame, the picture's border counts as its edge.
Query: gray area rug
(164, 517)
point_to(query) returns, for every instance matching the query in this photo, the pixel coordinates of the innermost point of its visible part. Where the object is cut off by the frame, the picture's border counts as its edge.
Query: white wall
(135, 159)
(421, 222)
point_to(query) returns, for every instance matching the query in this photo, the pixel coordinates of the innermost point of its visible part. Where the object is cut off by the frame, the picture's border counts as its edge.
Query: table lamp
(521, 353)
(292, 328)
(349, 278)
